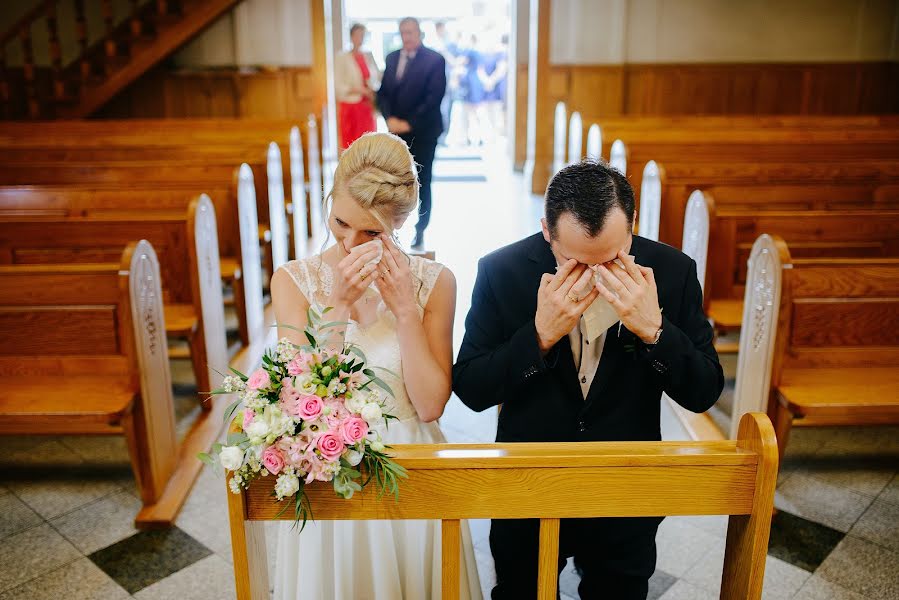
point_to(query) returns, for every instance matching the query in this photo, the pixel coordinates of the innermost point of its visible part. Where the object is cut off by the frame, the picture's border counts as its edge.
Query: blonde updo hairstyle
(378, 172)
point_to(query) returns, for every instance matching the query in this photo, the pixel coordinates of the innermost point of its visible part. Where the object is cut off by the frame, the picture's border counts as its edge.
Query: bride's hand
(395, 281)
(353, 276)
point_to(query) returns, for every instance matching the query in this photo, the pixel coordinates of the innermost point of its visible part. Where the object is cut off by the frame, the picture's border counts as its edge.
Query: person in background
(449, 50)
(493, 72)
(356, 76)
(409, 98)
(473, 94)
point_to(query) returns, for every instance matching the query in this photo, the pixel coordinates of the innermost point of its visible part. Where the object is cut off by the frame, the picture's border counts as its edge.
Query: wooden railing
(128, 40)
(451, 482)
(47, 12)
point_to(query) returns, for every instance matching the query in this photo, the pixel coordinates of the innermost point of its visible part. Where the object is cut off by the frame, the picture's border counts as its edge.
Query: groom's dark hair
(588, 190)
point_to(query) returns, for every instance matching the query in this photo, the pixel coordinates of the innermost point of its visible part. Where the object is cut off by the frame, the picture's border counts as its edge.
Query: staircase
(127, 47)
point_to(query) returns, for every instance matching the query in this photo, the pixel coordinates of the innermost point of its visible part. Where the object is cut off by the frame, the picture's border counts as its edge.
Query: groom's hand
(558, 308)
(633, 294)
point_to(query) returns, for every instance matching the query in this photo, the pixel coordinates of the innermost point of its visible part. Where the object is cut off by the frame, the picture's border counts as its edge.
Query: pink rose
(310, 407)
(258, 379)
(273, 460)
(354, 429)
(247, 417)
(330, 445)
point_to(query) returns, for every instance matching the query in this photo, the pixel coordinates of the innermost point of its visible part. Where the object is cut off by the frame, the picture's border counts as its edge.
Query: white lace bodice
(379, 340)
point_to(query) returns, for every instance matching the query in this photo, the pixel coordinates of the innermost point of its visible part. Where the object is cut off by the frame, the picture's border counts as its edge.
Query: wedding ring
(574, 299)
(361, 276)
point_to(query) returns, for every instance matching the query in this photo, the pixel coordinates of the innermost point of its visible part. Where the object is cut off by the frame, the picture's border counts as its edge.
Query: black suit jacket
(500, 361)
(416, 97)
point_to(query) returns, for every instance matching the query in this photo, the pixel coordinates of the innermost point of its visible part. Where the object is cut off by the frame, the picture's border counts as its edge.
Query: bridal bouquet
(308, 415)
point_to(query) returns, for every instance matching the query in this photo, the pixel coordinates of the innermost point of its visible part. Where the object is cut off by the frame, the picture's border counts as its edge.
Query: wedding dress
(371, 560)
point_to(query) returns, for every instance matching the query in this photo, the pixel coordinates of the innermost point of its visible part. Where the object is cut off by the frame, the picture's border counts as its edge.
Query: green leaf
(206, 459)
(311, 339)
(235, 439)
(369, 372)
(327, 310)
(377, 381)
(238, 373)
(229, 412)
(388, 371)
(348, 348)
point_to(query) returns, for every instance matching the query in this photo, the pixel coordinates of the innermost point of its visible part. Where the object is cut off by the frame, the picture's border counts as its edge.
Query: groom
(532, 344)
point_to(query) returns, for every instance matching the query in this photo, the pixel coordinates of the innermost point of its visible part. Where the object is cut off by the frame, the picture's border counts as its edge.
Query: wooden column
(319, 55)
(540, 104)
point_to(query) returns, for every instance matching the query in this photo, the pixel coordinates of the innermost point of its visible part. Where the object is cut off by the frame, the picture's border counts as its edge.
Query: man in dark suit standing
(411, 90)
(577, 332)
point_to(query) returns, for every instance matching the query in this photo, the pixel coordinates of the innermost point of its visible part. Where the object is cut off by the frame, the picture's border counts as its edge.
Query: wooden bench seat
(833, 233)
(823, 337)
(185, 289)
(726, 314)
(67, 405)
(818, 339)
(831, 396)
(105, 371)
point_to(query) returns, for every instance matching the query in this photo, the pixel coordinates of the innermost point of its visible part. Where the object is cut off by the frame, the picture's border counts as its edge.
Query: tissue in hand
(600, 315)
(363, 248)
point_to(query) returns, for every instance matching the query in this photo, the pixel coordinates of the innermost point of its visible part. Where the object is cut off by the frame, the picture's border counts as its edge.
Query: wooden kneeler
(575, 480)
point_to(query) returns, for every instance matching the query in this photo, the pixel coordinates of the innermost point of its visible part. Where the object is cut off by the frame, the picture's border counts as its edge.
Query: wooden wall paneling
(521, 117)
(541, 87)
(225, 93)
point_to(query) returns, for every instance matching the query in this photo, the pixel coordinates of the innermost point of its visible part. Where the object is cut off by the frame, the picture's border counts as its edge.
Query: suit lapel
(541, 254)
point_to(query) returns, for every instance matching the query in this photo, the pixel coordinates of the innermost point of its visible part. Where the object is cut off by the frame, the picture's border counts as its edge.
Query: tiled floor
(68, 533)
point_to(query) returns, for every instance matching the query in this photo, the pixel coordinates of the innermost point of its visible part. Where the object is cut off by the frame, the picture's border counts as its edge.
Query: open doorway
(475, 38)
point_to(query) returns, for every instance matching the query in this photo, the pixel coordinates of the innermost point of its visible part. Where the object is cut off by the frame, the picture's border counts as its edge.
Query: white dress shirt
(405, 57)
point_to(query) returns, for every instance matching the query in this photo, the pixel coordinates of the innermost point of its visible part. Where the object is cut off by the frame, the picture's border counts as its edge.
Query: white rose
(287, 485)
(258, 429)
(276, 420)
(371, 412)
(356, 403)
(354, 457)
(377, 446)
(231, 457)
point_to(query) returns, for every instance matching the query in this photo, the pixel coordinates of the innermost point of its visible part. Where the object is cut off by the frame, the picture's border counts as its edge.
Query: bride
(399, 311)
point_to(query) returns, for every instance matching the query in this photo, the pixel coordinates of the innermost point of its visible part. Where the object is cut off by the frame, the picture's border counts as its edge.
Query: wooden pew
(187, 246)
(820, 233)
(836, 353)
(96, 201)
(618, 156)
(82, 350)
(463, 481)
(881, 177)
(650, 209)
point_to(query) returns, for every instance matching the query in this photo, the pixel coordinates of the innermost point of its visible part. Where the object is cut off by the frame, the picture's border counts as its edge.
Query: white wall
(256, 32)
(673, 31)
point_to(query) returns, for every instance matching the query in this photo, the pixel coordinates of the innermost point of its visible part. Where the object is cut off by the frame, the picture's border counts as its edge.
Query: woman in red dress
(356, 77)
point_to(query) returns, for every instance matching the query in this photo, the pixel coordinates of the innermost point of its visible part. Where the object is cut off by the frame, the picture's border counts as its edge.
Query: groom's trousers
(615, 556)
